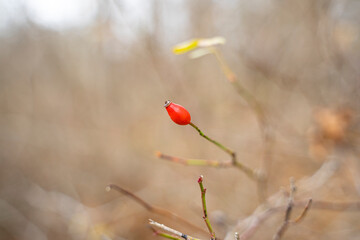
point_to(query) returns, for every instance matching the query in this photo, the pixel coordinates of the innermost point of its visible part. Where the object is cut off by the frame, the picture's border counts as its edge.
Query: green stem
(228, 150)
(246, 95)
(237, 164)
(165, 235)
(203, 200)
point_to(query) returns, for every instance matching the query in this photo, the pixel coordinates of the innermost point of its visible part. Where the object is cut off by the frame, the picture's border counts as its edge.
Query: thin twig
(152, 208)
(162, 234)
(248, 226)
(267, 135)
(131, 195)
(333, 206)
(257, 219)
(195, 162)
(247, 170)
(171, 230)
(230, 75)
(288, 211)
(303, 213)
(226, 149)
(203, 200)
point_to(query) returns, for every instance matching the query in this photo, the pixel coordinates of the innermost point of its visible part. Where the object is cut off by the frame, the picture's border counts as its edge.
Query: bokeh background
(82, 88)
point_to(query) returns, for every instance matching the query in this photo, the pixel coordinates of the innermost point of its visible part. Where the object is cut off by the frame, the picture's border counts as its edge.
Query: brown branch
(333, 206)
(280, 232)
(146, 205)
(248, 226)
(257, 219)
(304, 212)
(152, 208)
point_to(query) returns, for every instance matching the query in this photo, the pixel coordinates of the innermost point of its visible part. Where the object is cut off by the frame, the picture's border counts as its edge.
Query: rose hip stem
(247, 170)
(229, 151)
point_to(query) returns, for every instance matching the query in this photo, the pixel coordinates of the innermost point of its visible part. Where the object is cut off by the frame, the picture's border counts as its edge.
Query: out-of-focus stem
(152, 208)
(304, 212)
(230, 75)
(278, 235)
(260, 116)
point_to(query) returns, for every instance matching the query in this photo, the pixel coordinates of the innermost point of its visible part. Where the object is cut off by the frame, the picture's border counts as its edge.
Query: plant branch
(137, 199)
(226, 149)
(203, 200)
(162, 234)
(170, 230)
(194, 162)
(304, 212)
(152, 208)
(280, 232)
(244, 93)
(266, 132)
(247, 170)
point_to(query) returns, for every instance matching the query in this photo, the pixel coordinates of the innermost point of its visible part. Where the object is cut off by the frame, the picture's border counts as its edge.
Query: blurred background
(82, 88)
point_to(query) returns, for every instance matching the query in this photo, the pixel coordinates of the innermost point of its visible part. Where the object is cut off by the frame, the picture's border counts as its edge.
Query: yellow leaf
(186, 46)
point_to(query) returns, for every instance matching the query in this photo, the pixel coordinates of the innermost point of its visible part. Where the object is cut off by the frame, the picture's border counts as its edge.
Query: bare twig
(304, 212)
(195, 162)
(252, 174)
(333, 206)
(171, 230)
(131, 195)
(203, 200)
(248, 226)
(222, 147)
(162, 234)
(254, 221)
(266, 132)
(289, 208)
(152, 208)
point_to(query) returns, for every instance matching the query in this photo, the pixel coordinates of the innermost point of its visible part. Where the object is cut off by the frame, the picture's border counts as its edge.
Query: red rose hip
(177, 113)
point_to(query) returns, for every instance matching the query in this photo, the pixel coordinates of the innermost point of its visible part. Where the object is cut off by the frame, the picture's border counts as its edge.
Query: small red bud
(177, 113)
(200, 179)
